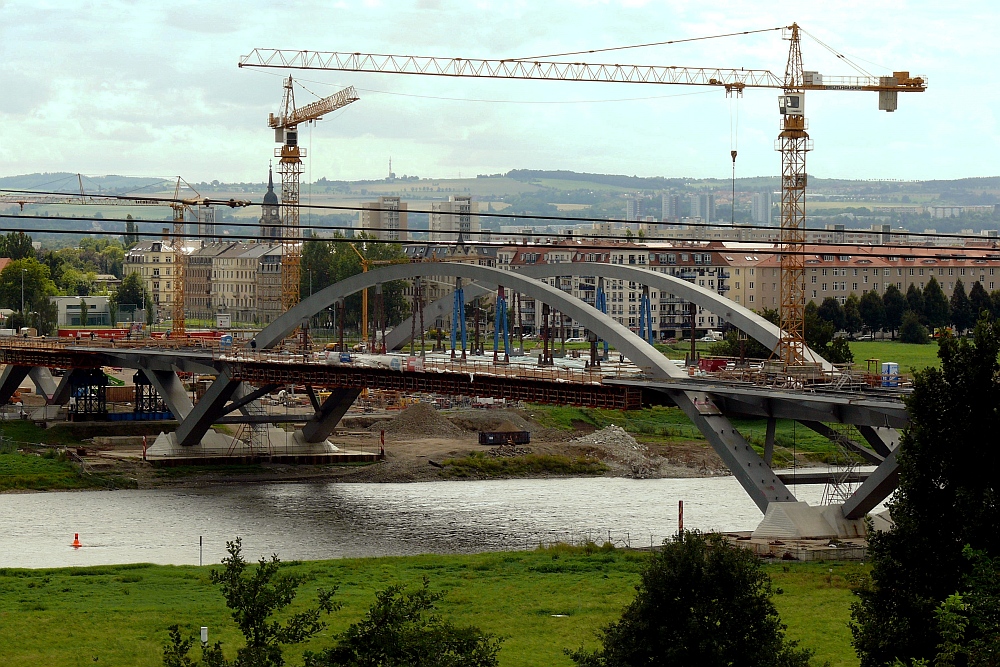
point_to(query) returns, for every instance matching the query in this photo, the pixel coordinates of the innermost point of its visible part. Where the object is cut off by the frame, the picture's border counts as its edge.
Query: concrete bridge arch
(632, 346)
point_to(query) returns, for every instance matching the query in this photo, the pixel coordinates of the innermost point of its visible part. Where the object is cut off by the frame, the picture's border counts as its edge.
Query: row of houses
(244, 279)
(240, 279)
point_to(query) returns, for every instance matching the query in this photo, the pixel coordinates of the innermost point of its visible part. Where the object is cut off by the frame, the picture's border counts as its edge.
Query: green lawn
(909, 357)
(118, 615)
(669, 425)
(23, 467)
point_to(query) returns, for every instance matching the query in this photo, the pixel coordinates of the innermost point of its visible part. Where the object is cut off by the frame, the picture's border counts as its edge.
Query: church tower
(270, 219)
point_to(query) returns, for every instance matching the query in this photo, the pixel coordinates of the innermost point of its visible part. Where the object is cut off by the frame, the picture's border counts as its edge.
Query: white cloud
(154, 89)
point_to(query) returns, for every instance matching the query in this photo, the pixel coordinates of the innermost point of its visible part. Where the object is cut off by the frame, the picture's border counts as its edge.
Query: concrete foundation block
(800, 520)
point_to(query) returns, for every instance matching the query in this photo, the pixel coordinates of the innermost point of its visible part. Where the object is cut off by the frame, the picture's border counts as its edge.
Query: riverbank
(541, 601)
(423, 444)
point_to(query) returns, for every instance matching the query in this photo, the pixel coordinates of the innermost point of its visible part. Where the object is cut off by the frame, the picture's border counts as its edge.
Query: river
(333, 520)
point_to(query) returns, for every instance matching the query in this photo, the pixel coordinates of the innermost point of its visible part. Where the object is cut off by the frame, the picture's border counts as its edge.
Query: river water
(333, 520)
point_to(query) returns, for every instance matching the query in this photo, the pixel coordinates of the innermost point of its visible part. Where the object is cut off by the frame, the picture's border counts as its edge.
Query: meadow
(541, 601)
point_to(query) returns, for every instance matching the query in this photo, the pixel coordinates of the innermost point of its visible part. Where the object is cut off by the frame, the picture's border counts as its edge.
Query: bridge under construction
(246, 373)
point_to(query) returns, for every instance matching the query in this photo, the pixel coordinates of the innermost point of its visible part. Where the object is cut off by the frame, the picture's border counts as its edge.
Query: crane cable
(640, 46)
(734, 139)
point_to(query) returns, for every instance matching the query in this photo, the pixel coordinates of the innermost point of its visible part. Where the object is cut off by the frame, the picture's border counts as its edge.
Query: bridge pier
(329, 414)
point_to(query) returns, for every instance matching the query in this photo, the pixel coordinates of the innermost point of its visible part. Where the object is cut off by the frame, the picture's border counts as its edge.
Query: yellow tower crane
(793, 142)
(290, 154)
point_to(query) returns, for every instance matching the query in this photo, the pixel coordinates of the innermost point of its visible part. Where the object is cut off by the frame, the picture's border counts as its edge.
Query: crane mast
(793, 141)
(290, 169)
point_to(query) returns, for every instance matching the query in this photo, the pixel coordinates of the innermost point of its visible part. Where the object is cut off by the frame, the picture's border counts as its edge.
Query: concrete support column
(330, 413)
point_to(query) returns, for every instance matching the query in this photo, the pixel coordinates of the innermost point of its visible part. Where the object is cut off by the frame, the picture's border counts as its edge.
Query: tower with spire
(270, 219)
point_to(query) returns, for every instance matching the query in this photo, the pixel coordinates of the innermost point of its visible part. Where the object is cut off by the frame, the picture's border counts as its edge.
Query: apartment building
(268, 288)
(838, 271)
(703, 266)
(154, 261)
(386, 219)
(455, 219)
(198, 280)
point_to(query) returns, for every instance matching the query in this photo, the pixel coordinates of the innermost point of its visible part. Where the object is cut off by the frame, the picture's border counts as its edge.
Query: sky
(153, 89)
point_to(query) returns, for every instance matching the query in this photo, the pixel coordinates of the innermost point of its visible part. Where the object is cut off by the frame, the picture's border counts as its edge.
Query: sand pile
(420, 420)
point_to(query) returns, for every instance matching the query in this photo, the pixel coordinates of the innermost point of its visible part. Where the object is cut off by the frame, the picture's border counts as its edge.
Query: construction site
(281, 393)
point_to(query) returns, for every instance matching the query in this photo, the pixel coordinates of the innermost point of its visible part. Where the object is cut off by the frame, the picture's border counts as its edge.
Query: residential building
(703, 206)
(454, 220)
(269, 285)
(838, 271)
(154, 262)
(762, 207)
(670, 207)
(386, 219)
(198, 281)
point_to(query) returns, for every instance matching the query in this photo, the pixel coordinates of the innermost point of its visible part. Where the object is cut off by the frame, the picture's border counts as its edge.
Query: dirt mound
(492, 420)
(622, 453)
(420, 420)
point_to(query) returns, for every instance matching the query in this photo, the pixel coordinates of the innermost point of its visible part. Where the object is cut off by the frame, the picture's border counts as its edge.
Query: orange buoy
(76, 541)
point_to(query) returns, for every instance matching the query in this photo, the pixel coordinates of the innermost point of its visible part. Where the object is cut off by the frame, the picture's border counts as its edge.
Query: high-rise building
(270, 214)
(453, 220)
(671, 207)
(633, 208)
(386, 219)
(703, 206)
(763, 207)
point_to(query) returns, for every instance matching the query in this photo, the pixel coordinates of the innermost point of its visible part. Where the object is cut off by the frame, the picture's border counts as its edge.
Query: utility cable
(840, 249)
(642, 46)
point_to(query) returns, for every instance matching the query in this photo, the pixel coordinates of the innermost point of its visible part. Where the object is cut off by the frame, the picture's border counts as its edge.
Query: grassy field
(118, 615)
(667, 426)
(909, 357)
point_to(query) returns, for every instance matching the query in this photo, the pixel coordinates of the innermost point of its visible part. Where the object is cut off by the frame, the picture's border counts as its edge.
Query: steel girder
(882, 482)
(171, 390)
(758, 480)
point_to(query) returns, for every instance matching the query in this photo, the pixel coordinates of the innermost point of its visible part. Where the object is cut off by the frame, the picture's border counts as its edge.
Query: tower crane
(290, 154)
(179, 205)
(793, 141)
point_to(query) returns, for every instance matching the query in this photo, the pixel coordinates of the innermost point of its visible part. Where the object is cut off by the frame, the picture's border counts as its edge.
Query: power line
(233, 203)
(842, 248)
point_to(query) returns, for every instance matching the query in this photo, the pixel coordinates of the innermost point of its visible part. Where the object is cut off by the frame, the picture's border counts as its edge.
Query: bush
(701, 601)
(912, 331)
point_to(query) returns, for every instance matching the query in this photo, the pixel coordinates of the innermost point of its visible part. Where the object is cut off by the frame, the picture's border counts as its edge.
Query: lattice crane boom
(793, 141)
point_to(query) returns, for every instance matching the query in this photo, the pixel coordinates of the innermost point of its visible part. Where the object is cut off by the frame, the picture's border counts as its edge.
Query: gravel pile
(420, 420)
(621, 452)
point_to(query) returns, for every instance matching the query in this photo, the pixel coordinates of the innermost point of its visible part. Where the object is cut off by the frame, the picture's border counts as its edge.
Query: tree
(401, 630)
(980, 300)
(967, 619)
(701, 601)
(83, 312)
(36, 287)
(936, 311)
(872, 312)
(894, 305)
(852, 314)
(912, 331)
(131, 236)
(132, 292)
(962, 316)
(946, 499)
(16, 245)
(915, 301)
(253, 598)
(833, 312)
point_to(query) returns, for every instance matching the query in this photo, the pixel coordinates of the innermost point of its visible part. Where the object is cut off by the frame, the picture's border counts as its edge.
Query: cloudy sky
(153, 89)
